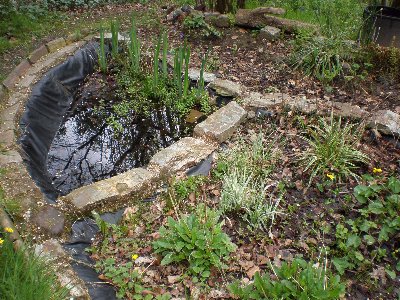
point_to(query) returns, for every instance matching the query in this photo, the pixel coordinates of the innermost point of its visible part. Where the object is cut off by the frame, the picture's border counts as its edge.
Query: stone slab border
(138, 183)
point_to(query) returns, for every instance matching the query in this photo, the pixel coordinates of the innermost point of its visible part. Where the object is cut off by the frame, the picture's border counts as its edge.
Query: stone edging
(139, 182)
(14, 93)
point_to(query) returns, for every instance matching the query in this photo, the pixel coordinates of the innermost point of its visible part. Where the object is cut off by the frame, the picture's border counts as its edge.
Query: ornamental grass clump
(23, 275)
(332, 148)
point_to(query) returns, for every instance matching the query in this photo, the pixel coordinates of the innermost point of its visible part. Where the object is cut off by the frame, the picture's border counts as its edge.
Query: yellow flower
(135, 256)
(377, 170)
(8, 229)
(1, 241)
(330, 176)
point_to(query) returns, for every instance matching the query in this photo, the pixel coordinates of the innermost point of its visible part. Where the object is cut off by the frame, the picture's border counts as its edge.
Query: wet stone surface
(50, 219)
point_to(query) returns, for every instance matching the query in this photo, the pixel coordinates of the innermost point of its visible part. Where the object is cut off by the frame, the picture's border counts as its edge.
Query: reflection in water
(86, 149)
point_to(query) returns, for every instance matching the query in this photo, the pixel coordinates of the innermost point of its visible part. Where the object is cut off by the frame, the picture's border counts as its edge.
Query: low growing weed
(332, 149)
(361, 241)
(295, 280)
(197, 239)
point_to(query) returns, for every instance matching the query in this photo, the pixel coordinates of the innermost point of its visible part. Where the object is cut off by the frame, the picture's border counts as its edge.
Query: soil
(296, 232)
(242, 56)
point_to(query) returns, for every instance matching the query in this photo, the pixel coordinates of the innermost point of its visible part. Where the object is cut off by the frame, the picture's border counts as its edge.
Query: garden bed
(296, 220)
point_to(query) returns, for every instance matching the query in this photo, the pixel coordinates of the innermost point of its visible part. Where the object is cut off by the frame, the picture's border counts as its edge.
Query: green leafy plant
(102, 53)
(197, 239)
(321, 57)
(295, 280)
(114, 38)
(244, 195)
(24, 275)
(197, 22)
(377, 222)
(332, 148)
(134, 48)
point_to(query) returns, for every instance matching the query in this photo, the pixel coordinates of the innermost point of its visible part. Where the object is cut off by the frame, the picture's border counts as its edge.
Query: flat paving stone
(56, 44)
(221, 125)
(50, 219)
(122, 186)
(256, 101)
(10, 157)
(181, 155)
(38, 54)
(194, 75)
(226, 88)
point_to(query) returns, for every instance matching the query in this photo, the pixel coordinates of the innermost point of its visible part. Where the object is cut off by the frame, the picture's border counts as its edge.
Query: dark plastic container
(383, 25)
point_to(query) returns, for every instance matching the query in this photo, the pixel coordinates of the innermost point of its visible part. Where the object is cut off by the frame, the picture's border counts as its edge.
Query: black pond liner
(382, 25)
(84, 232)
(45, 110)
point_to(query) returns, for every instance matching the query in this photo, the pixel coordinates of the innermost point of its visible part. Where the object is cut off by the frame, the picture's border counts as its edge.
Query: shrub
(332, 148)
(23, 275)
(295, 280)
(197, 239)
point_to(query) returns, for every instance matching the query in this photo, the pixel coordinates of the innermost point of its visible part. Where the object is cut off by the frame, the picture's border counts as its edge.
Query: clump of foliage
(332, 148)
(243, 170)
(361, 240)
(197, 22)
(23, 275)
(244, 195)
(293, 280)
(143, 90)
(180, 190)
(321, 57)
(197, 239)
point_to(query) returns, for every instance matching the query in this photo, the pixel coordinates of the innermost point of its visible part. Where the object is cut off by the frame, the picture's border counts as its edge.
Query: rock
(226, 88)
(347, 110)
(51, 249)
(50, 220)
(123, 187)
(270, 33)
(386, 122)
(15, 74)
(10, 157)
(194, 75)
(221, 124)
(255, 101)
(221, 21)
(209, 17)
(38, 54)
(186, 8)
(108, 36)
(194, 116)
(56, 44)
(262, 16)
(254, 18)
(175, 15)
(180, 156)
(302, 104)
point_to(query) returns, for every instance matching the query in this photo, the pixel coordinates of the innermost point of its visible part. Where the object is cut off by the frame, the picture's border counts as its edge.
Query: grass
(332, 149)
(26, 276)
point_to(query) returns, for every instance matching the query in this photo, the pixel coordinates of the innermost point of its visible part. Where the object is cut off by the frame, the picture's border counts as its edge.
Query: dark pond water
(87, 149)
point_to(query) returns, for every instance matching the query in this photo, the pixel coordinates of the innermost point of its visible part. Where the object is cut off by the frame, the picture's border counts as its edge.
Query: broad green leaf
(342, 264)
(353, 241)
(369, 239)
(392, 274)
(376, 208)
(169, 258)
(394, 185)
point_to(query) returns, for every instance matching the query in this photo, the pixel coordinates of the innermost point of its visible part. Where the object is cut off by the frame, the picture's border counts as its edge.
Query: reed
(102, 53)
(114, 38)
(134, 48)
